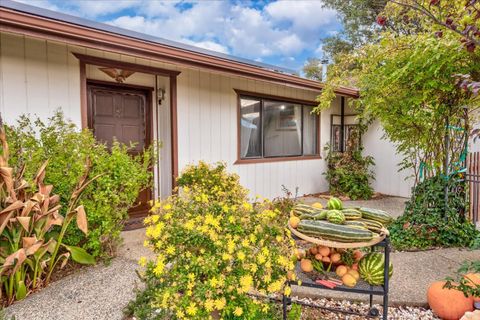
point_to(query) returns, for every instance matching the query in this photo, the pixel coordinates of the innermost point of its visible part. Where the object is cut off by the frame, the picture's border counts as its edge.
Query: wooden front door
(124, 114)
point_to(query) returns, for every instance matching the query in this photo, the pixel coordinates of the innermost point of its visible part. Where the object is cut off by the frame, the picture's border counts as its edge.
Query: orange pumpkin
(448, 304)
(475, 280)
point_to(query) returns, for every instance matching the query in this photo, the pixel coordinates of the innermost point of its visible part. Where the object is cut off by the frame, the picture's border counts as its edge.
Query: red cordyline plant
(32, 229)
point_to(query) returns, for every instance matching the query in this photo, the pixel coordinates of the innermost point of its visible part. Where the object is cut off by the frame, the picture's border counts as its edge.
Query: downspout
(157, 121)
(342, 125)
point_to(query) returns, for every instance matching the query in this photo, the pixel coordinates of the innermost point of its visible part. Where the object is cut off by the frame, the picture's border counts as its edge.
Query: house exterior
(201, 105)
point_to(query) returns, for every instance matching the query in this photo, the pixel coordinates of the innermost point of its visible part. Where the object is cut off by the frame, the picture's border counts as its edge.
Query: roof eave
(28, 24)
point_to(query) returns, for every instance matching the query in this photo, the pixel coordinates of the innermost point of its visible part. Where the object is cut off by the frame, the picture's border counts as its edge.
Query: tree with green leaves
(358, 19)
(313, 69)
(406, 82)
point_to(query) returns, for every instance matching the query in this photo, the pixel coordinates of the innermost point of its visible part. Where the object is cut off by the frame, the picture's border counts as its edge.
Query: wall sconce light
(160, 95)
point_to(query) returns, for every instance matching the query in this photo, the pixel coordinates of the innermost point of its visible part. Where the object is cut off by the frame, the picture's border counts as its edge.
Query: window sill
(279, 159)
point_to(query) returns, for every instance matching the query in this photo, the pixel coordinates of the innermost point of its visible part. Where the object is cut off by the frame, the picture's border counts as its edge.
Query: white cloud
(209, 45)
(279, 30)
(319, 50)
(301, 14)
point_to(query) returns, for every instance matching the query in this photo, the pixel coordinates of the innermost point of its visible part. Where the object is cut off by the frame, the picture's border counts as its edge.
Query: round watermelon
(335, 216)
(371, 268)
(334, 204)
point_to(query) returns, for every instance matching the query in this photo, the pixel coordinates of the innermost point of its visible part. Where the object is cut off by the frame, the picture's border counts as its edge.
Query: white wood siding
(207, 119)
(39, 76)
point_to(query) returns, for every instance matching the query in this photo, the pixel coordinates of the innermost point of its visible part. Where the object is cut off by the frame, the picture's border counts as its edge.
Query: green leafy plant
(32, 229)
(429, 222)
(107, 199)
(463, 283)
(348, 173)
(295, 312)
(214, 248)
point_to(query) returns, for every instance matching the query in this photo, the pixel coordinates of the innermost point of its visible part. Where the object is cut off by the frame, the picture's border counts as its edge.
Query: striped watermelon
(334, 204)
(335, 216)
(371, 268)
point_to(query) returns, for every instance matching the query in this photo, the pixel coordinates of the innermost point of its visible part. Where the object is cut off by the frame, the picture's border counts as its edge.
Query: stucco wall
(388, 180)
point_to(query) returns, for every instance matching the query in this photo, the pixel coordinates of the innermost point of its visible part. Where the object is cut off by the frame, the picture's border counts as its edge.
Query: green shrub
(348, 173)
(107, 199)
(213, 248)
(31, 243)
(427, 222)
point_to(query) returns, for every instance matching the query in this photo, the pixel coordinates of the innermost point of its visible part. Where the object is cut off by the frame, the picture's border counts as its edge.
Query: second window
(272, 128)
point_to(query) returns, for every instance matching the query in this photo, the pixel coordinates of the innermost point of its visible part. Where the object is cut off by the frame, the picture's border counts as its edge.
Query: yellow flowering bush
(216, 251)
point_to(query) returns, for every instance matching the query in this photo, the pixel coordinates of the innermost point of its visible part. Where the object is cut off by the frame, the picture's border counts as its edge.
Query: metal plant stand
(361, 288)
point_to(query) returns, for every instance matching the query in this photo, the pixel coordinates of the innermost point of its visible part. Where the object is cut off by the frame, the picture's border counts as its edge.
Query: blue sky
(283, 33)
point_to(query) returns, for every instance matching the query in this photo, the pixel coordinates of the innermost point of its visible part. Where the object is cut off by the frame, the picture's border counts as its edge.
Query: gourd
(352, 214)
(371, 224)
(335, 216)
(294, 221)
(376, 215)
(334, 232)
(349, 280)
(356, 224)
(448, 304)
(371, 268)
(317, 205)
(334, 204)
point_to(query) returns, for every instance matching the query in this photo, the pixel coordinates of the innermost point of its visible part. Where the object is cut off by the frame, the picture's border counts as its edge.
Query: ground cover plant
(107, 199)
(429, 221)
(32, 229)
(213, 249)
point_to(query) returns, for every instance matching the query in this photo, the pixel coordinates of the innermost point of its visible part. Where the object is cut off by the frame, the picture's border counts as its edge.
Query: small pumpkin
(349, 280)
(448, 304)
(317, 205)
(306, 265)
(294, 221)
(474, 280)
(336, 257)
(341, 270)
(324, 251)
(354, 274)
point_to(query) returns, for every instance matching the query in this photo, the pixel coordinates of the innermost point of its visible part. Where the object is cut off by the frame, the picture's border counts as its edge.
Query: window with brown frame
(273, 128)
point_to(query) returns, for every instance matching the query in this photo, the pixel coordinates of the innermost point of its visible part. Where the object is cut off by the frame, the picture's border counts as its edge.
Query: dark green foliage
(358, 18)
(349, 174)
(295, 312)
(463, 284)
(141, 307)
(428, 223)
(107, 199)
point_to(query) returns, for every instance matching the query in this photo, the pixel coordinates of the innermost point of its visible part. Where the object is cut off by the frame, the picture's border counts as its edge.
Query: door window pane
(250, 132)
(309, 131)
(282, 127)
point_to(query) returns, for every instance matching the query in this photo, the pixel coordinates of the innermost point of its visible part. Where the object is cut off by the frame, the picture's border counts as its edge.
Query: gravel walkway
(94, 293)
